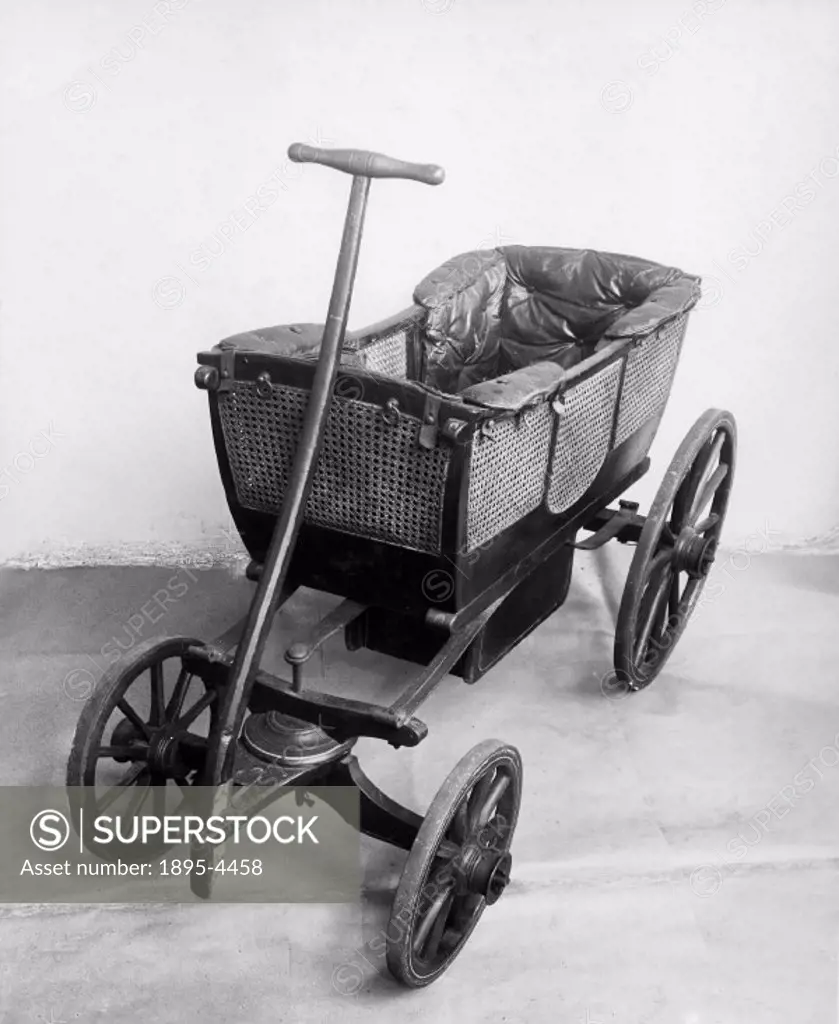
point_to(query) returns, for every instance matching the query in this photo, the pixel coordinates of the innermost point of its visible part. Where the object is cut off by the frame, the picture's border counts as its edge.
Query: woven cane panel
(507, 473)
(387, 355)
(373, 480)
(582, 438)
(649, 376)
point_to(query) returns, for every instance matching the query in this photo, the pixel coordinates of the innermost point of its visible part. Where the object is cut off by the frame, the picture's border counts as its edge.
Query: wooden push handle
(364, 164)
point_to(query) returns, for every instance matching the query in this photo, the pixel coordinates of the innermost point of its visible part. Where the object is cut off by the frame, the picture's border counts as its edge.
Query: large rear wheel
(676, 549)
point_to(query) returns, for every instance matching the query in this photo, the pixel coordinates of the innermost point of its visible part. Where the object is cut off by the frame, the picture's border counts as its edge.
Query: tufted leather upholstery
(493, 312)
(301, 341)
(503, 325)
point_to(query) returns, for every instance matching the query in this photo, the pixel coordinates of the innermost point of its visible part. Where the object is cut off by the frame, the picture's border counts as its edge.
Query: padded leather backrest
(494, 311)
(463, 301)
(573, 294)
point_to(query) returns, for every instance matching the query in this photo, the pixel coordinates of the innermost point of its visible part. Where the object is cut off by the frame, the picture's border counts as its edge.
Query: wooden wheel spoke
(447, 850)
(463, 910)
(714, 452)
(678, 618)
(156, 712)
(188, 717)
(176, 701)
(441, 926)
(691, 587)
(130, 778)
(490, 805)
(673, 598)
(460, 822)
(707, 523)
(705, 461)
(696, 478)
(663, 615)
(659, 562)
(651, 617)
(133, 775)
(709, 489)
(434, 918)
(478, 798)
(134, 718)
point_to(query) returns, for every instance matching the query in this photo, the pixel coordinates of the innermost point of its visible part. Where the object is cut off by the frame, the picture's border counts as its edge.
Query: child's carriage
(434, 471)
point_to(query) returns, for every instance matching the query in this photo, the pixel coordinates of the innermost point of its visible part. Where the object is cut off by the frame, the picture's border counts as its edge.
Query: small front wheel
(459, 863)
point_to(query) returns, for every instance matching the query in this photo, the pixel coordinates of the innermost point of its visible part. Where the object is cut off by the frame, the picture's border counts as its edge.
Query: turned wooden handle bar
(364, 164)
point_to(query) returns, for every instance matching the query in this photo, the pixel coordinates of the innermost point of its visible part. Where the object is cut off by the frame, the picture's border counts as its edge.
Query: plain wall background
(132, 131)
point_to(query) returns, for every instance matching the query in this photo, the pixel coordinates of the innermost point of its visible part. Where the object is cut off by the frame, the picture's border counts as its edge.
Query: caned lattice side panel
(583, 435)
(387, 355)
(507, 473)
(373, 480)
(649, 376)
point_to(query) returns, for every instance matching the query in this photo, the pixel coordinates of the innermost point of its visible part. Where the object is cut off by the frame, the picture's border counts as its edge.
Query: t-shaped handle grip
(364, 164)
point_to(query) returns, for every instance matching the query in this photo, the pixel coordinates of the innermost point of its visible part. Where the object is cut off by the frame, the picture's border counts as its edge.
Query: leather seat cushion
(301, 341)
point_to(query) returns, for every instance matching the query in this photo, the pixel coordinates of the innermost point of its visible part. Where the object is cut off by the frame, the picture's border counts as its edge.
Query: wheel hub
(164, 754)
(164, 750)
(694, 553)
(486, 872)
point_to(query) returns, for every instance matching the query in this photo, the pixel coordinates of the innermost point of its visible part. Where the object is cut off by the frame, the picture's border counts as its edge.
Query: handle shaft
(225, 733)
(364, 164)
